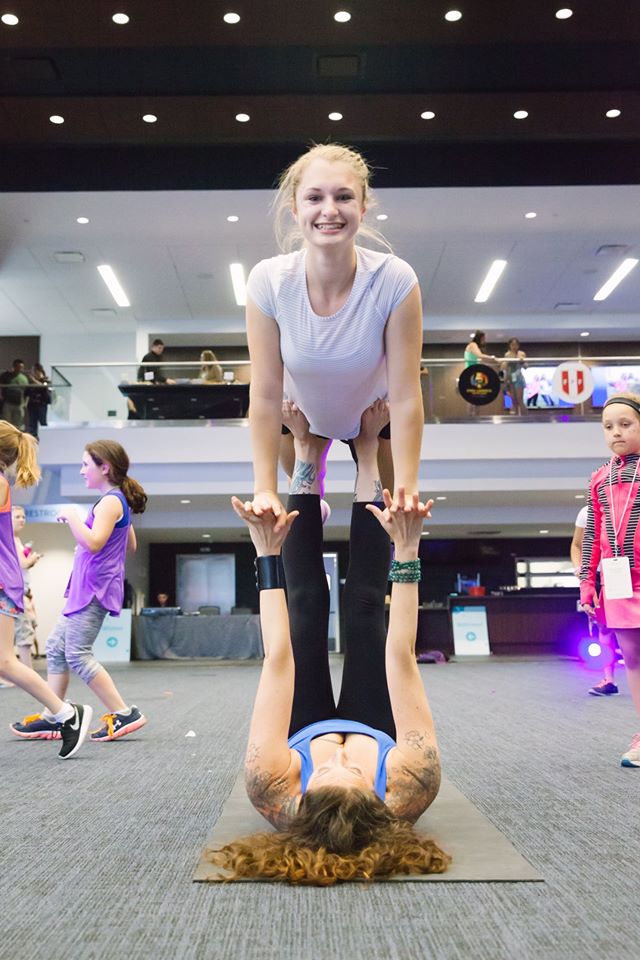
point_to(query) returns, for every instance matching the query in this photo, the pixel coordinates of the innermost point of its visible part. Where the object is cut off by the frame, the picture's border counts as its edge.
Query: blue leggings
(70, 645)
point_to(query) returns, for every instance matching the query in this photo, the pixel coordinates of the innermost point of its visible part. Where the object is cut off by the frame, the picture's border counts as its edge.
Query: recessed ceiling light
(426, 533)
(56, 118)
(243, 117)
(120, 18)
(335, 115)
(564, 14)
(10, 19)
(441, 498)
(239, 283)
(580, 496)
(185, 501)
(233, 219)
(427, 115)
(206, 536)
(613, 113)
(115, 288)
(382, 216)
(585, 333)
(489, 282)
(342, 16)
(231, 18)
(544, 531)
(453, 15)
(521, 114)
(531, 215)
(149, 117)
(616, 277)
(82, 219)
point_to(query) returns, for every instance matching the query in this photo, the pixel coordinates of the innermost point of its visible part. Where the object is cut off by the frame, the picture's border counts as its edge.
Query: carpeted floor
(97, 853)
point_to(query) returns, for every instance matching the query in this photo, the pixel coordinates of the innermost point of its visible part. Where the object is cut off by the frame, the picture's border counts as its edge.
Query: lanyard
(616, 529)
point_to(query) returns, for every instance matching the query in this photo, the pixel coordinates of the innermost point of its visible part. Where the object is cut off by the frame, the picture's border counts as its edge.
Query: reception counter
(233, 637)
(187, 401)
(519, 623)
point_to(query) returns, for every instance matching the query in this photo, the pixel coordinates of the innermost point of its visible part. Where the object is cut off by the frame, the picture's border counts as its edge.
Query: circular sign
(573, 382)
(112, 641)
(479, 384)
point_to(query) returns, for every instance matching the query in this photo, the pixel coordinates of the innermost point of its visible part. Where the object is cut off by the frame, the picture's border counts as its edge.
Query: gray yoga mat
(480, 852)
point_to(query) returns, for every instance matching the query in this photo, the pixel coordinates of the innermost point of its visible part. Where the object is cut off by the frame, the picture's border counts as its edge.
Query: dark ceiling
(287, 64)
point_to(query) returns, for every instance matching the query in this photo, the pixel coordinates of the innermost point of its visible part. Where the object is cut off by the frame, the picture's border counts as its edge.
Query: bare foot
(294, 419)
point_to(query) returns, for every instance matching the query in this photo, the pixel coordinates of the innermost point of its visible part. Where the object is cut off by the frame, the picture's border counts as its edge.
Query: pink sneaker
(632, 757)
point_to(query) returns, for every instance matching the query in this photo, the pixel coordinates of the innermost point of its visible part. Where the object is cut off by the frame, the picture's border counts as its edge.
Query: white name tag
(616, 574)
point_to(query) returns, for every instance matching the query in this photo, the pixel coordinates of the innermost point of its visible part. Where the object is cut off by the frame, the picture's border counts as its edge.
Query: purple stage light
(595, 654)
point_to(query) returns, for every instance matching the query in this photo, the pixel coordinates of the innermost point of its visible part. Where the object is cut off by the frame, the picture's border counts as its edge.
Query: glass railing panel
(175, 392)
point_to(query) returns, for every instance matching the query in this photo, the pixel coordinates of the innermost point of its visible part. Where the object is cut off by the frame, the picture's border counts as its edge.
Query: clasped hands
(402, 518)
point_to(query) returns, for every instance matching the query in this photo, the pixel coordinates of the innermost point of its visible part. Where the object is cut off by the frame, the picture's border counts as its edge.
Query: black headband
(630, 403)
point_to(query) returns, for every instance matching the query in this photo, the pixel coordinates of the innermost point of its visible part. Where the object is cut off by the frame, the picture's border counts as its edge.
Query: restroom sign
(573, 382)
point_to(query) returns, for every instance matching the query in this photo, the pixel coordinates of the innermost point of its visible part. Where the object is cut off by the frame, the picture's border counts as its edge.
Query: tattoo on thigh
(304, 476)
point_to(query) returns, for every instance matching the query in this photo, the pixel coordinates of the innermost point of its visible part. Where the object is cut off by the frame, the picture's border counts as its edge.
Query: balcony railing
(98, 392)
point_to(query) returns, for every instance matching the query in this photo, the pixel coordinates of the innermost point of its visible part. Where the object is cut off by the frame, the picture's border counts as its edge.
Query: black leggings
(364, 695)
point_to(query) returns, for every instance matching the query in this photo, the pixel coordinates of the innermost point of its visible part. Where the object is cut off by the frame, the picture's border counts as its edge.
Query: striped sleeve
(399, 280)
(590, 548)
(260, 288)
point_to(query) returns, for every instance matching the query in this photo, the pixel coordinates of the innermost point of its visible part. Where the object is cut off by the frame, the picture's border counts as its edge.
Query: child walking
(18, 461)
(612, 538)
(96, 587)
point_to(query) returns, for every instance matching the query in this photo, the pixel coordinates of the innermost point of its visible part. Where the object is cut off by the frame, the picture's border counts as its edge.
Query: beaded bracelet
(269, 573)
(407, 571)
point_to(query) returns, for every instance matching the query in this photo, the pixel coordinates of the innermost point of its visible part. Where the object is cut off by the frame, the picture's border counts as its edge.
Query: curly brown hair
(337, 835)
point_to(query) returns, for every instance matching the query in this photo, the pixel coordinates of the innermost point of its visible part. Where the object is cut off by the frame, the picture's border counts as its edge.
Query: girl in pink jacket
(612, 539)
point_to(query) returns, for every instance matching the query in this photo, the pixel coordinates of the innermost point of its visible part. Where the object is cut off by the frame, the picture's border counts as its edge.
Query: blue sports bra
(301, 743)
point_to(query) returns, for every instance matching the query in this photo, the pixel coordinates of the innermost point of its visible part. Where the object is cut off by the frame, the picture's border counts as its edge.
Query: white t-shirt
(581, 519)
(334, 367)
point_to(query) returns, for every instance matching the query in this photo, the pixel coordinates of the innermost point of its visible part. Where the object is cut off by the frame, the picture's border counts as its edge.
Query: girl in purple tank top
(18, 463)
(95, 589)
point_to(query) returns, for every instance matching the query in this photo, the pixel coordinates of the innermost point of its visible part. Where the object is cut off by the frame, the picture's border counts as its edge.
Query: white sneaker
(632, 757)
(325, 511)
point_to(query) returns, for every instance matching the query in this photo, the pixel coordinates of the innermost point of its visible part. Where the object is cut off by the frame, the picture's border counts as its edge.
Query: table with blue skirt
(225, 637)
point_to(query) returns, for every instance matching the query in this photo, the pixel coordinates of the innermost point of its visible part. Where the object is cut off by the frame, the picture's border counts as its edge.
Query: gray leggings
(70, 645)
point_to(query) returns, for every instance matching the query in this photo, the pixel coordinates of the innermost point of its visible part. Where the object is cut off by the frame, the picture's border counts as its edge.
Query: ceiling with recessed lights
(139, 98)
(433, 97)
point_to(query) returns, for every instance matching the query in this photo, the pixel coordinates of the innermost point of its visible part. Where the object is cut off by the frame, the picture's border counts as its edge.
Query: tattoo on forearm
(252, 755)
(377, 491)
(304, 476)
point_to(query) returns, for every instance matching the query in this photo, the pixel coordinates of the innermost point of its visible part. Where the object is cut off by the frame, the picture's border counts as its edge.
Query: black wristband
(269, 573)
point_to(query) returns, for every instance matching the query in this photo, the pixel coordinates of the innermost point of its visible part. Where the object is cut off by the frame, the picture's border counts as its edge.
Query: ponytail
(115, 456)
(21, 449)
(134, 495)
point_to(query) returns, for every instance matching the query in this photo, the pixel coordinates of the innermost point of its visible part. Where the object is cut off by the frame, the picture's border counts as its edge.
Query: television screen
(538, 392)
(610, 380)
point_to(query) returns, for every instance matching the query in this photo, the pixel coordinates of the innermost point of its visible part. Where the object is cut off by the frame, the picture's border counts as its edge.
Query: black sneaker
(604, 689)
(74, 730)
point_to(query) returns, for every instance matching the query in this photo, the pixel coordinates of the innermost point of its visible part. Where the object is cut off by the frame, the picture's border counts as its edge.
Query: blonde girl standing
(333, 326)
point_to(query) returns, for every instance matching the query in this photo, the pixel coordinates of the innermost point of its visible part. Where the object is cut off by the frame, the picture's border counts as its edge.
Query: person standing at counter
(156, 373)
(333, 326)
(612, 539)
(513, 364)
